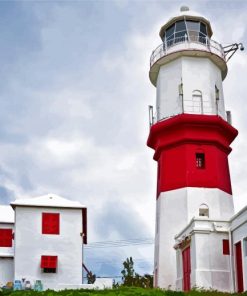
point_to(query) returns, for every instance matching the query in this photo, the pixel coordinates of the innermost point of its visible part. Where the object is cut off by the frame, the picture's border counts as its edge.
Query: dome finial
(184, 8)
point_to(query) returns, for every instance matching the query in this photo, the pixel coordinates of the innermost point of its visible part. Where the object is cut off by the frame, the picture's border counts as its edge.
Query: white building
(214, 252)
(6, 244)
(49, 233)
(198, 240)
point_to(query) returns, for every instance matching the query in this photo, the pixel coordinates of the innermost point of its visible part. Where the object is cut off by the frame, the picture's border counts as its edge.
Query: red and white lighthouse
(190, 134)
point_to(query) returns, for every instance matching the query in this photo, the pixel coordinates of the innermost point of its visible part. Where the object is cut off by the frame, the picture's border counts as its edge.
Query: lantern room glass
(193, 31)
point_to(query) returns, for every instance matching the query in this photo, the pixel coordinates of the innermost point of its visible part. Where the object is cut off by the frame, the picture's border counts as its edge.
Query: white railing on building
(187, 43)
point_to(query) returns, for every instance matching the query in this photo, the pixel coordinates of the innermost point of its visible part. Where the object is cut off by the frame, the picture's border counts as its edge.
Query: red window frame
(50, 223)
(48, 261)
(226, 247)
(6, 237)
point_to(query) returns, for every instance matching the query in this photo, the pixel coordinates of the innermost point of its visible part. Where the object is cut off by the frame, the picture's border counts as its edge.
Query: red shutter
(226, 247)
(6, 238)
(50, 223)
(48, 261)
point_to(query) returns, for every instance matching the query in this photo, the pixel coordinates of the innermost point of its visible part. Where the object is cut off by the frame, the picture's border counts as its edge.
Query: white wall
(31, 244)
(6, 270)
(175, 209)
(211, 269)
(196, 73)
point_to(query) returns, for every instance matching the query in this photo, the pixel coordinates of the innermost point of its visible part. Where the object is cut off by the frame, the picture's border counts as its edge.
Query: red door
(239, 267)
(186, 269)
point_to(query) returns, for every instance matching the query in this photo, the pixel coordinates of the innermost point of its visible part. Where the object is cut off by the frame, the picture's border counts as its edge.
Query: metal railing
(155, 119)
(190, 43)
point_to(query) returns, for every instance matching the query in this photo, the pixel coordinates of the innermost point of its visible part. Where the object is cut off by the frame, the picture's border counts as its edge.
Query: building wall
(196, 73)
(31, 244)
(6, 270)
(175, 209)
(210, 268)
(210, 265)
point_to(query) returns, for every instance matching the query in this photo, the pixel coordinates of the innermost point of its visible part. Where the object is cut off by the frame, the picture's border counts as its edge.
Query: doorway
(239, 267)
(186, 268)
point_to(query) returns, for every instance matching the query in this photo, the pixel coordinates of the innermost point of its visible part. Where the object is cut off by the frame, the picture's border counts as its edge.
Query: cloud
(6, 195)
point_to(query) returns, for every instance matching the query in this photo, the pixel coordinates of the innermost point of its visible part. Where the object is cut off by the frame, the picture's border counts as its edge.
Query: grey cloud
(6, 195)
(121, 218)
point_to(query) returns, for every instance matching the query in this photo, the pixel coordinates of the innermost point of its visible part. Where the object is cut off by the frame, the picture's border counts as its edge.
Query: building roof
(48, 200)
(7, 214)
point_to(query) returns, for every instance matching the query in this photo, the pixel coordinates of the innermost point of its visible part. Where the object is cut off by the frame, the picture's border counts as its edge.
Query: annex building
(42, 239)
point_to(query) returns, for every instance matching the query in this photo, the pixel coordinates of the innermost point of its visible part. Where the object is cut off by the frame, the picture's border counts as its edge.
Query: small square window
(5, 238)
(200, 160)
(50, 223)
(226, 247)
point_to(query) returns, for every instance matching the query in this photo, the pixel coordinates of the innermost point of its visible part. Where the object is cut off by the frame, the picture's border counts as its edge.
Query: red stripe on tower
(192, 151)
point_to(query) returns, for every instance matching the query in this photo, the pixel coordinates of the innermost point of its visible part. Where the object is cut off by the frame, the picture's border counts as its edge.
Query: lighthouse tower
(191, 135)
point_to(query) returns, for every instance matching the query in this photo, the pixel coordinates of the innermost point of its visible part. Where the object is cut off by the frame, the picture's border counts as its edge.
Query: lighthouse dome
(187, 22)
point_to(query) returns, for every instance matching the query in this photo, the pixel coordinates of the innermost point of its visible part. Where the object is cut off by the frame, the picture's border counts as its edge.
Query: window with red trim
(226, 247)
(200, 160)
(5, 237)
(48, 263)
(50, 223)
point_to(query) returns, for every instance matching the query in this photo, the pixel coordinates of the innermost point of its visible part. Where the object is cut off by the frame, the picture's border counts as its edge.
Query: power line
(120, 243)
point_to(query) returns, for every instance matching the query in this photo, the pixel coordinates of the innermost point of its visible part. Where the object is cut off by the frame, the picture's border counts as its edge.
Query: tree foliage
(91, 277)
(132, 279)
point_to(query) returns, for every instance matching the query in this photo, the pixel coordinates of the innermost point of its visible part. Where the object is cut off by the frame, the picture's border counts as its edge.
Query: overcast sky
(74, 96)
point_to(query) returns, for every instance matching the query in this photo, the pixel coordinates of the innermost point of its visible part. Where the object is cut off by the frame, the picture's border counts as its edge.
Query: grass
(122, 291)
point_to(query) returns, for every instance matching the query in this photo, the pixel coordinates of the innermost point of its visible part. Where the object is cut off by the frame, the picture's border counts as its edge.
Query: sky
(74, 96)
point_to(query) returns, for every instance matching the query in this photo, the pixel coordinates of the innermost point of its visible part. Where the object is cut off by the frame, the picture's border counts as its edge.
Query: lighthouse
(191, 133)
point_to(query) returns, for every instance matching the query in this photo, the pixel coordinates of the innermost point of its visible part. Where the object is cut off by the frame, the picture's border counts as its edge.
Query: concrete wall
(6, 270)
(196, 73)
(175, 209)
(31, 244)
(210, 268)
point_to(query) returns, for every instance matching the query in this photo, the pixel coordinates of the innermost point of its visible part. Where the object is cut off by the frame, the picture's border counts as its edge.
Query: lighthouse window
(185, 30)
(169, 36)
(180, 31)
(204, 210)
(170, 31)
(193, 29)
(200, 160)
(180, 26)
(203, 29)
(192, 25)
